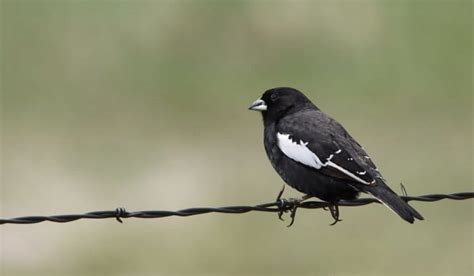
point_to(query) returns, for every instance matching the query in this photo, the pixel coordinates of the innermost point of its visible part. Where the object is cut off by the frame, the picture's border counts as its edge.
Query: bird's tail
(390, 199)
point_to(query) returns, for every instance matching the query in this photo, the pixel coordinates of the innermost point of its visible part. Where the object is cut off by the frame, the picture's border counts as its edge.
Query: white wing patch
(299, 152)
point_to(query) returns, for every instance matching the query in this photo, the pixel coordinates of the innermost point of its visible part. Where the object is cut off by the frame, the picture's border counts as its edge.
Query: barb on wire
(278, 206)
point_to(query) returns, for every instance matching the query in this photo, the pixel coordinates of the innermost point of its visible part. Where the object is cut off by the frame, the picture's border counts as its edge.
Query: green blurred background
(142, 104)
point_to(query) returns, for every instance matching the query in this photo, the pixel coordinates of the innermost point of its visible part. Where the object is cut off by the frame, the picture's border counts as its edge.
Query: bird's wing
(315, 140)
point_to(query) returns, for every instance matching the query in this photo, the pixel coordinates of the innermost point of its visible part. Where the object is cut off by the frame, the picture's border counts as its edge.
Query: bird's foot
(295, 203)
(282, 202)
(334, 210)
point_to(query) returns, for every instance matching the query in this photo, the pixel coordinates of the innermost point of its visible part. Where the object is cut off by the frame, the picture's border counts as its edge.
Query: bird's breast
(274, 153)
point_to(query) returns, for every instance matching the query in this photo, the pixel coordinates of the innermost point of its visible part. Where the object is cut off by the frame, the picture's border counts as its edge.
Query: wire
(278, 206)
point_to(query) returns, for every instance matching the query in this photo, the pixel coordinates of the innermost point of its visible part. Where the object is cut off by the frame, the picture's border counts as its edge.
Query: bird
(314, 154)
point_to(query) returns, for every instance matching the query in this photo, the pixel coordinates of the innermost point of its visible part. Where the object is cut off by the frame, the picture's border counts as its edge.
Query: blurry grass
(143, 105)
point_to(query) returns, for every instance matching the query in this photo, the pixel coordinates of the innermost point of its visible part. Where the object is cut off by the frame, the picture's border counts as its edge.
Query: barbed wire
(279, 206)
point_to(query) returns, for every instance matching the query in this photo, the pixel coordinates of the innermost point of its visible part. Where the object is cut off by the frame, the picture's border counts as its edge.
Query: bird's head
(276, 102)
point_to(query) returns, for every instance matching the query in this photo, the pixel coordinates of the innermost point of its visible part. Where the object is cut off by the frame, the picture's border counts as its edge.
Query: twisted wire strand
(282, 205)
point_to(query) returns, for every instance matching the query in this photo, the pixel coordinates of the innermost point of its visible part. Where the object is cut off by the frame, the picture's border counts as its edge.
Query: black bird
(314, 154)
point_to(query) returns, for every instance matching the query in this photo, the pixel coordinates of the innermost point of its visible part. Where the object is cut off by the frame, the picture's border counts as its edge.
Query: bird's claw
(282, 202)
(334, 210)
(295, 203)
(280, 213)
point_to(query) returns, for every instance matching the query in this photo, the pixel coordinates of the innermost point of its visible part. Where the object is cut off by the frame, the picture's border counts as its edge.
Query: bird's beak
(258, 105)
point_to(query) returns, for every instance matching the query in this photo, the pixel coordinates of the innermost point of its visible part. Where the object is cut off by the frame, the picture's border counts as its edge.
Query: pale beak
(258, 105)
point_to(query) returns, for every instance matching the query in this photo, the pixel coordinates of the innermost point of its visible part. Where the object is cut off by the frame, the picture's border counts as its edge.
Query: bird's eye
(274, 97)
